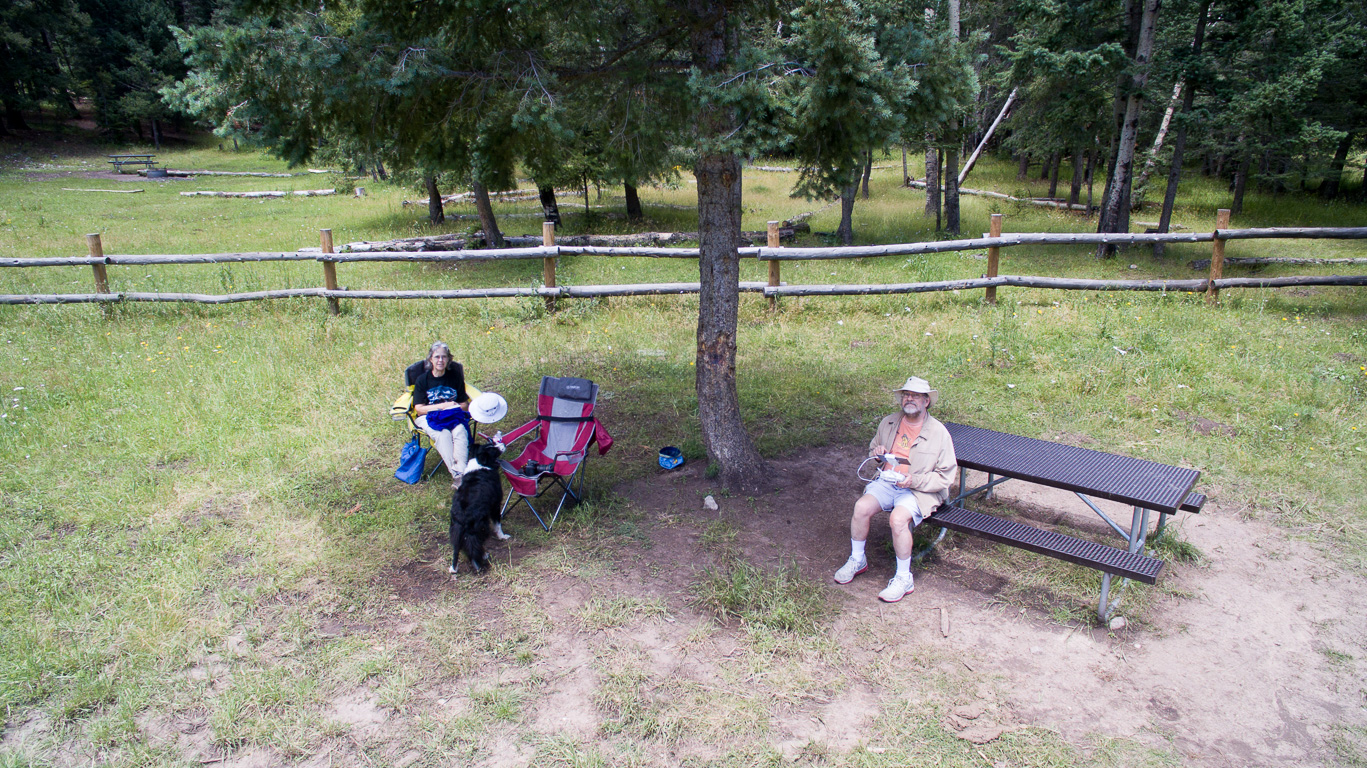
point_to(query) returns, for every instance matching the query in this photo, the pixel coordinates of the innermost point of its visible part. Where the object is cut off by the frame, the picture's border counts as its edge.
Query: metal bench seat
(1102, 557)
(1147, 486)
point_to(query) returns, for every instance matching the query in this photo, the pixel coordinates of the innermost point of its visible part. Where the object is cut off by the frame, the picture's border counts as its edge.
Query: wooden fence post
(101, 276)
(330, 273)
(1217, 256)
(773, 263)
(548, 263)
(993, 256)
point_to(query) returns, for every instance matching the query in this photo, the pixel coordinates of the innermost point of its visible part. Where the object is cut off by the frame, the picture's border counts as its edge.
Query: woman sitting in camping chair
(442, 408)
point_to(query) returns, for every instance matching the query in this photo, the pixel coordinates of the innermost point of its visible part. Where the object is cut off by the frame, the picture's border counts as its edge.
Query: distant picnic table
(119, 161)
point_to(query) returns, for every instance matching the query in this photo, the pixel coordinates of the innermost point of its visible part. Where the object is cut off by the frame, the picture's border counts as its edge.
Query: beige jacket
(932, 460)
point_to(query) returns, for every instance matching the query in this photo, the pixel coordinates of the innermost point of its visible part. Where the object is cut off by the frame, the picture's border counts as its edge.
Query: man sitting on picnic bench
(923, 452)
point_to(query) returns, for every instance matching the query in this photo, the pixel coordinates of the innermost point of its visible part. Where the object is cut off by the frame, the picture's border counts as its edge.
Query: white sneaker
(898, 588)
(852, 567)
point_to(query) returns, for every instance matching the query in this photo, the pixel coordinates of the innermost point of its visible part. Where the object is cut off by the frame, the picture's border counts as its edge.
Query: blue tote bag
(412, 459)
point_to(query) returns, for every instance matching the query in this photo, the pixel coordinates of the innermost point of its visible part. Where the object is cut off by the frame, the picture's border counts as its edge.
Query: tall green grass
(195, 497)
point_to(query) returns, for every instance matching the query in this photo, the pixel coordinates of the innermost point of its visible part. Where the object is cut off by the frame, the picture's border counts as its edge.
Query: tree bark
(951, 174)
(1141, 186)
(1054, 163)
(1240, 184)
(1048, 163)
(1179, 144)
(932, 181)
(492, 236)
(435, 212)
(1091, 170)
(1023, 168)
(728, 445)
(1330, 188)
(156, 134)
(550, 209)
(906, 176)
(845, 233)
(1075, 190)
(633, 204)
(1116, 214)
(868, 171)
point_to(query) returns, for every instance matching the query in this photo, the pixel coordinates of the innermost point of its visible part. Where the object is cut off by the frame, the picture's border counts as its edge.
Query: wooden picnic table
(119, 161)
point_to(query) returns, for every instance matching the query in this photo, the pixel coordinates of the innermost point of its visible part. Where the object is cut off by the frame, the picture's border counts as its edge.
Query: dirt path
(1260, 664)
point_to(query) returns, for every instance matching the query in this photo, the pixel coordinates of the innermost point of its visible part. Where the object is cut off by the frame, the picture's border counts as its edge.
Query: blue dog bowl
(671, 457)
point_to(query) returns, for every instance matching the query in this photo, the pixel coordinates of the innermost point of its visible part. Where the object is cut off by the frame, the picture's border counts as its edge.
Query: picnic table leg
(1162, 523)
(1101, 610)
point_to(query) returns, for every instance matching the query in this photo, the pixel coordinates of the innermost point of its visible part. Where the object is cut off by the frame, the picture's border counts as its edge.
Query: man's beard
(912, 409)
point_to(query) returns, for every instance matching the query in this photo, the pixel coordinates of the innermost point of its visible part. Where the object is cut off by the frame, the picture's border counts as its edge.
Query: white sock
(857, 549)
(903, 567)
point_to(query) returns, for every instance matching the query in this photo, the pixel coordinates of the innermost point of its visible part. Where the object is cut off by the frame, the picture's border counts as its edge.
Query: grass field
(190, 493)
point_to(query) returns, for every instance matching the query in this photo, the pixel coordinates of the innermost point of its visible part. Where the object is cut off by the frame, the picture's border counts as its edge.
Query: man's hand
(908, 483)
(879, 450)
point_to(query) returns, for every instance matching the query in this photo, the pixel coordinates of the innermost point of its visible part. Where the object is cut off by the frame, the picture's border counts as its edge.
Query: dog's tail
(474, 550)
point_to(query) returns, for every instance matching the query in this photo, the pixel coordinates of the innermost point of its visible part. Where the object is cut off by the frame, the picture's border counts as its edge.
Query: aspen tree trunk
(868, 171)
(906, 178)
(492, 236)
(1179, 144)
(1053, 174)
(1116, 213)
(1141, 186)
(435, 212)
(1023, 169)
(951, 169)
(713, 43)
(932, 181)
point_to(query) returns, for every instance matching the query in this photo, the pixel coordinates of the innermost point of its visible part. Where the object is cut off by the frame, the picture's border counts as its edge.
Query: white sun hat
(921, 386)
(488, 408)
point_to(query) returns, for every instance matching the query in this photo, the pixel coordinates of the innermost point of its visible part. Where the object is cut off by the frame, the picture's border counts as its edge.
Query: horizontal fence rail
(549, 253)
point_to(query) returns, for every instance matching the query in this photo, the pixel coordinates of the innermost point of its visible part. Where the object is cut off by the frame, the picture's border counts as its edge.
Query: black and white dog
(476, 507)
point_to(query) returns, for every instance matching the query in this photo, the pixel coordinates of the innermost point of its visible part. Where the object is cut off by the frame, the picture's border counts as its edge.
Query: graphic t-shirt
(904, 439)
(434, 390)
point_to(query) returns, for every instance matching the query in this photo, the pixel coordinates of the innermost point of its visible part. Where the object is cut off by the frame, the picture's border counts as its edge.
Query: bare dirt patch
(1255, 656)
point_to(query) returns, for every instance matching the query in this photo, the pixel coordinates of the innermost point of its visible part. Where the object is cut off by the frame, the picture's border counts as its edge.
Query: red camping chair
(565, 427)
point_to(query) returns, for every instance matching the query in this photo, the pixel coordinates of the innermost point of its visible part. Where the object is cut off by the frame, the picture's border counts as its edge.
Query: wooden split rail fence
(775, 255)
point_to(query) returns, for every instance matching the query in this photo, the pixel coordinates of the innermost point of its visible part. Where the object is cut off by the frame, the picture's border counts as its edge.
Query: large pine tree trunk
(1330, 188)
(633, 204)
(1116, 213)
(435, 212)
(845, 233)
(492, 236)
(932, 181)
(728, 445)
(550, 209)
(1053, 174)
(1023, 168)
(906, 176)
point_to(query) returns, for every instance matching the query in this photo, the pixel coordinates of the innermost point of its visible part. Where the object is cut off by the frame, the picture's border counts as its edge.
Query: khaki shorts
(890, 496)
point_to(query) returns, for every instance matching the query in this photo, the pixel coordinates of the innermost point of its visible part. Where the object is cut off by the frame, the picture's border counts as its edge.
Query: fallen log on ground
(1250, 261)
(115, 191)
(455, 242)
(188, 174)
(269, 194)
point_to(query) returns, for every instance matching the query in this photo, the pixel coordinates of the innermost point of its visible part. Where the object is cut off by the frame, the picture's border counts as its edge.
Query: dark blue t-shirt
(431, 390)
